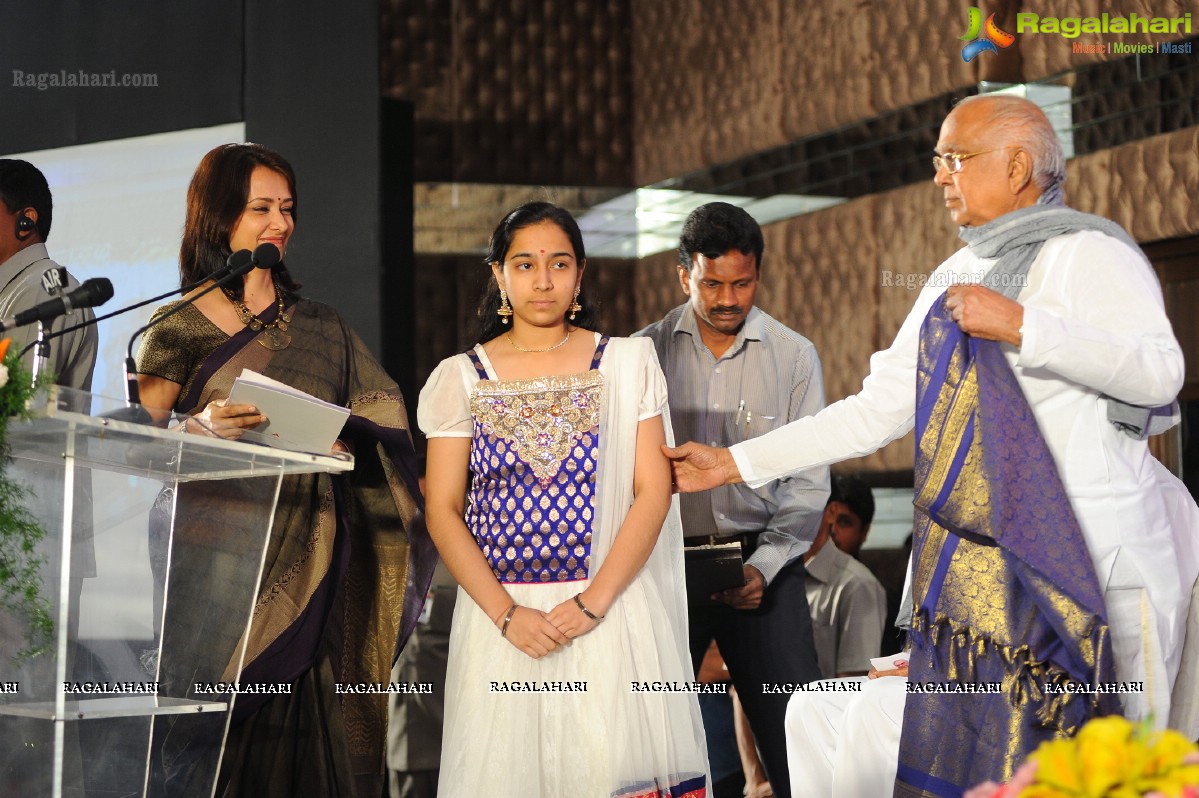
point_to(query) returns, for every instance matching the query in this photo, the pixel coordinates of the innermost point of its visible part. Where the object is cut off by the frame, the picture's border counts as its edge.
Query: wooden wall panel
(519, 91)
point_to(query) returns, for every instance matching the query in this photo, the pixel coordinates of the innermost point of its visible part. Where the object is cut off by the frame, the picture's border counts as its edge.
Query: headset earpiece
(25, 227)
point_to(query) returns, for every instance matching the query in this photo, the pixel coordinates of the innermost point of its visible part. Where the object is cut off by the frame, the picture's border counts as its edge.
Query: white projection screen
(118, 213)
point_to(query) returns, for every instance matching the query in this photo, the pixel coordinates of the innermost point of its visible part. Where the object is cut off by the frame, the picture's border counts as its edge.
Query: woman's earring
(505, 311)
(575, 307)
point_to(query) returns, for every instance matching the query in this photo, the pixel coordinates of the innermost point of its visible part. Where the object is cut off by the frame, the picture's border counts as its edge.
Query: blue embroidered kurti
(533, 459)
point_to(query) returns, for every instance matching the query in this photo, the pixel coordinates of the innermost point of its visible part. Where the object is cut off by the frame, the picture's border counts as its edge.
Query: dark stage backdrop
(191, 50)
(302, 75)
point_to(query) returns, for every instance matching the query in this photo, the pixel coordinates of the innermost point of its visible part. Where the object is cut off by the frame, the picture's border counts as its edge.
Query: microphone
(239, 263)
(242, 261)
(266, 256)
(93, 292)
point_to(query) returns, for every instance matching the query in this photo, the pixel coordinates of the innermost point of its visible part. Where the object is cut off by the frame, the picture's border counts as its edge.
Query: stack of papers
(296, 421)
(889, 663)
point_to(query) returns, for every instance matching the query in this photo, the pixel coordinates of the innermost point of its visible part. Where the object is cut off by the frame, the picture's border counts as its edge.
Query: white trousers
(846, 744)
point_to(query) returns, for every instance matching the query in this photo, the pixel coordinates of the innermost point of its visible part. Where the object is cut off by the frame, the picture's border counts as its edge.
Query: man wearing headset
(26, 210)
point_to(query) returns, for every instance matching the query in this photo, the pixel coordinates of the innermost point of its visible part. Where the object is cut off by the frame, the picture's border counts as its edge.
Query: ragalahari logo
(982, 38)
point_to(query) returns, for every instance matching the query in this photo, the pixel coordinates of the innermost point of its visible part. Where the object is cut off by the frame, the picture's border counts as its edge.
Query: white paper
(889, 663)
(295, 420)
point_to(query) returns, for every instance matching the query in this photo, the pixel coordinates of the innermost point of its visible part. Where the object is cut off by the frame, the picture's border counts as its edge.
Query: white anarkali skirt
(596, 718)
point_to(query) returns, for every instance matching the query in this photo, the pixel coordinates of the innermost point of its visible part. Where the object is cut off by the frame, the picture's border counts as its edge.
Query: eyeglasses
(951, 162)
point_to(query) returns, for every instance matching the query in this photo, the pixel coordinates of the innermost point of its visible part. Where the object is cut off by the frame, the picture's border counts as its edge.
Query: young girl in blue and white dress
(568, 665)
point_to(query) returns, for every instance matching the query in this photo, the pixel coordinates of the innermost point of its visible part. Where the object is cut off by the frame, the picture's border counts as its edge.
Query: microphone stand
(220, 275)
(238, 264)
(42, 352)
(131, 390)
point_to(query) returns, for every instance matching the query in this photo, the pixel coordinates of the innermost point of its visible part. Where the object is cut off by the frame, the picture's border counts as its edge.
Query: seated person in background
(849, 532)
(844, 740)
(847, 603)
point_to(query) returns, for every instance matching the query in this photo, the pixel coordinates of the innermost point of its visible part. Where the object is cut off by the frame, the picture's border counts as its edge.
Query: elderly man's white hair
(1015, 120)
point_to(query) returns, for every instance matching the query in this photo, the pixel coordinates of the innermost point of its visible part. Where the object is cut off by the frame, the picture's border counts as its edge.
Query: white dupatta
(635, 389)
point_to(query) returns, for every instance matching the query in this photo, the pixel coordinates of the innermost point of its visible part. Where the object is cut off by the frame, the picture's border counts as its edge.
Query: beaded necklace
(275, 336)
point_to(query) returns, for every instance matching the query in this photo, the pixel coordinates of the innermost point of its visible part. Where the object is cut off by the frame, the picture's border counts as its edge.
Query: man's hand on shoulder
(695, 467)
(749, 595)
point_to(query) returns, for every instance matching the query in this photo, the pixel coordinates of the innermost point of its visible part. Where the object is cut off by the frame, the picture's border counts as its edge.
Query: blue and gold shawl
(1010, 640)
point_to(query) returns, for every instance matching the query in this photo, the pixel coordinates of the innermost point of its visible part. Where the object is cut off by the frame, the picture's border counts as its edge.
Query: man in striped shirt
(735, 373)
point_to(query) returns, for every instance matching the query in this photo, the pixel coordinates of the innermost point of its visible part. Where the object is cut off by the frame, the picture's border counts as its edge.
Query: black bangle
(507, 620)
(587, 612)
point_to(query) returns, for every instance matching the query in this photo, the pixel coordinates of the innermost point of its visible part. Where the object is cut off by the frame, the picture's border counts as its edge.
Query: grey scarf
(1015, 240)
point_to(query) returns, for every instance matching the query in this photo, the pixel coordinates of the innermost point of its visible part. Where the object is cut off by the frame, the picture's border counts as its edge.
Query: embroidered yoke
(533, 460)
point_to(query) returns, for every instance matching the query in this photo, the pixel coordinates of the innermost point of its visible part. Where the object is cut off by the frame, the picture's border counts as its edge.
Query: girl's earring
(505, 311)
(575, 307)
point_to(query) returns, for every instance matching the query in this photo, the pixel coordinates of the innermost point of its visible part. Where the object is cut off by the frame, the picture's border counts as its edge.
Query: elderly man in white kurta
(1088, 341)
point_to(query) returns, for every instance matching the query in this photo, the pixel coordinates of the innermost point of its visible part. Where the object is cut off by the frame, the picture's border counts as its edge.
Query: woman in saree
(568, 666)
(348, 559)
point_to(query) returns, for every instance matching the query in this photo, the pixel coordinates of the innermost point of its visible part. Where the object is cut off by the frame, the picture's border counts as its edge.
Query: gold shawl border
(296, 585)
(320, 540)
(372, 611)
(385, 402)
(1025, 679)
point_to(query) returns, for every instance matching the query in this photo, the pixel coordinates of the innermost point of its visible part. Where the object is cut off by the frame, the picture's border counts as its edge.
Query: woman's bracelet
(587, 612)
(508, 620)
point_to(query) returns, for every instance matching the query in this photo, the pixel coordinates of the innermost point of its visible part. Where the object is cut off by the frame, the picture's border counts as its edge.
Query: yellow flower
(1164, 770)
(1112, 758)
(1108, 755)
(1166, 750)
(3, 368)
(1057, 767)
(1045, 791)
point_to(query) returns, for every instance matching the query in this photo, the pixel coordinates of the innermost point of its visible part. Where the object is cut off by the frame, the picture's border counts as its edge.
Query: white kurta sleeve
(885, 409)
(653, 381)
(1098, 319)
(443, 410)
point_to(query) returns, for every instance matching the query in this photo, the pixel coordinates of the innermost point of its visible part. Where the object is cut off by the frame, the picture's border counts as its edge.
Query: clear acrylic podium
(101, 712)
